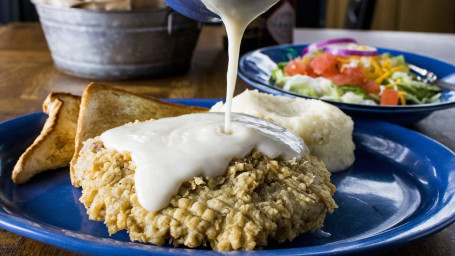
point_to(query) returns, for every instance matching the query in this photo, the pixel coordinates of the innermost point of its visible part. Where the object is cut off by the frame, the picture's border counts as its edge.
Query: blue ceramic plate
(400, 188)
(255, 68)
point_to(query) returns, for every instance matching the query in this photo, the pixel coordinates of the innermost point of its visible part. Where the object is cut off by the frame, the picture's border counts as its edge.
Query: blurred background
(17, 10)
(401, 15)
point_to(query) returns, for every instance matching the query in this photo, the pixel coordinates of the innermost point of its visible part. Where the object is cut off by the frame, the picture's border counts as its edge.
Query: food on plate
(103, 107)
(342, 70)
(325, 129)
(255, 200)
(71, 120)
(54, 146)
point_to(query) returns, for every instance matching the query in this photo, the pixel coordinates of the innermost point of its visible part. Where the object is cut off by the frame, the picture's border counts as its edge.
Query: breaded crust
(104, 107)
(258, 199)
(54, 146)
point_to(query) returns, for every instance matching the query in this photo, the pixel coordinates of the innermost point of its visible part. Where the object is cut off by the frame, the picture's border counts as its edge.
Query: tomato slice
(339, 79)
(355, 74)
(389, 97)
(291, 67)
(370, 87)
(329, 66)
(296, 67)
(325, 64)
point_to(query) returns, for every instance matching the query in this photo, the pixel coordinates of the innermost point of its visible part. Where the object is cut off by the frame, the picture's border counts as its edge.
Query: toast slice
(103, 107)
(54, 146)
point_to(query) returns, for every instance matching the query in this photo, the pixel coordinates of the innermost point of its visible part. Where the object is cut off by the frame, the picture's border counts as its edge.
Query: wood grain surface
(27, 75)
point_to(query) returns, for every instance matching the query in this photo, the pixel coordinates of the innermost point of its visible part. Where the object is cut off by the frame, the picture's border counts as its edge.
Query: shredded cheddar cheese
(343, 60)
(393, 85)
(401, 95)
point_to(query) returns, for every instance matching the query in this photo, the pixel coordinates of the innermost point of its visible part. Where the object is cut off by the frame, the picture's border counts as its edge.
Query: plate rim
(75, 243)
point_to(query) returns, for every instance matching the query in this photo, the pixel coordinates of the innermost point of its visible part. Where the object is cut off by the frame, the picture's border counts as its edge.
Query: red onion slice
(349, 49)
(321, 44)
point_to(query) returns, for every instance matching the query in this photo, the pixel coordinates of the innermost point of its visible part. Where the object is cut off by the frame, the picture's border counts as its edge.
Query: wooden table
(27, 75)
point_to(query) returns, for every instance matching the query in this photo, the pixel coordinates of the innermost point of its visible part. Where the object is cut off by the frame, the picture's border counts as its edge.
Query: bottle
(278, 22)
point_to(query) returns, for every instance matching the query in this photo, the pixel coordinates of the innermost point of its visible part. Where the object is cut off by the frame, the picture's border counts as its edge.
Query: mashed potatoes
(326, 130)
(257, 199)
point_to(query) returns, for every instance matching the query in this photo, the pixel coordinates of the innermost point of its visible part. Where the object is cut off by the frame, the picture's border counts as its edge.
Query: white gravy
(170, 151)
(236, 15)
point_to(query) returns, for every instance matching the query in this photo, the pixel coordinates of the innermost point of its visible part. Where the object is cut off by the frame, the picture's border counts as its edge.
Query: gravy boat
(193, 9)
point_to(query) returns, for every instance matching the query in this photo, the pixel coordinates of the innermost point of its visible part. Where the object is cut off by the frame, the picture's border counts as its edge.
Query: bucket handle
(170, 23)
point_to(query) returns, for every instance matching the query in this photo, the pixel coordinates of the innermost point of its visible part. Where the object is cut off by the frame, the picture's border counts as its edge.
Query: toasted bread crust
(104, 107)
(54, 146)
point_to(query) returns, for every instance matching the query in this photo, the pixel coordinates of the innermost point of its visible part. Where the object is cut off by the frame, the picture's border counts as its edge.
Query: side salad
(342, 70)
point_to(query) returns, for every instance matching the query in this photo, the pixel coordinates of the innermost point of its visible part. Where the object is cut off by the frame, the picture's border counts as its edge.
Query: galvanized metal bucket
(119, 44)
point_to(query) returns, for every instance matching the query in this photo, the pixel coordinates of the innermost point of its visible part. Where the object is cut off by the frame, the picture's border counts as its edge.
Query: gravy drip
(236, 15)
